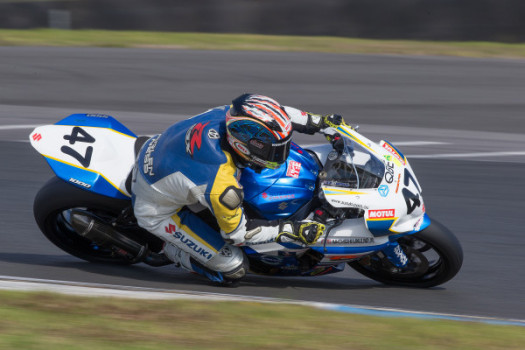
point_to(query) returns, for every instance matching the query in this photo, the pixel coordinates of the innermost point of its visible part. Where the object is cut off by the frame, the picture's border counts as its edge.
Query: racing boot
(184, 260)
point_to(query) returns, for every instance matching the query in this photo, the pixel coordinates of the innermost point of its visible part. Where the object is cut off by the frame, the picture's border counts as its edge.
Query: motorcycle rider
(193, 168)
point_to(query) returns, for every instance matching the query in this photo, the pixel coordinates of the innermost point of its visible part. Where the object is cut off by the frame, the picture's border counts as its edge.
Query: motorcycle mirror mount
(338, 142)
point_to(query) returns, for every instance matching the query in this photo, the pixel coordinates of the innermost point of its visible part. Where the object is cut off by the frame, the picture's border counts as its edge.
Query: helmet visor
(271, 152)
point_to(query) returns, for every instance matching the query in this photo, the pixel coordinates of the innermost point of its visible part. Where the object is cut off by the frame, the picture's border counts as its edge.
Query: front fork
(395, 254)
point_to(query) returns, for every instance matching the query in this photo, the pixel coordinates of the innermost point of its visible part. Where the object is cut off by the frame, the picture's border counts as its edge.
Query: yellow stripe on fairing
(383, 219)
(90, 170)
(325, 189)
(355, 139)
(188, 230)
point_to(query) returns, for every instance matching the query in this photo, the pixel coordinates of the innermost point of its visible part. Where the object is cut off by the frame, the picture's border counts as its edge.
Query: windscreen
(353, 166)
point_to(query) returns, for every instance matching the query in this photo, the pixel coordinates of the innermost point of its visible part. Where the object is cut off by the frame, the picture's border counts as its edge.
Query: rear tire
(435, 256)
(51, 208)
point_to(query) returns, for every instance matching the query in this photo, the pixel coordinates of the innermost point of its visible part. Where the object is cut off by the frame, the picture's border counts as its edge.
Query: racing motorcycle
(366, 193)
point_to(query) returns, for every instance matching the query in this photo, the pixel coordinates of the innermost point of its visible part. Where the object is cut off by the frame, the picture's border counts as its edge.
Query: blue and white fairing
(95, 152)
(279, 193)
(91, 151)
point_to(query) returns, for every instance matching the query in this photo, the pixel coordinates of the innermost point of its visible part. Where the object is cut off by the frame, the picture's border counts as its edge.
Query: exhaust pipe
(89, 226)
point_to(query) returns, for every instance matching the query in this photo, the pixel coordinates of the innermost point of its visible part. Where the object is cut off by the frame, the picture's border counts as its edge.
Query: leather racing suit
(190, 167)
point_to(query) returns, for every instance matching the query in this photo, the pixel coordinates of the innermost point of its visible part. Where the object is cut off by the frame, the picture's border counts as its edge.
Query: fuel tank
(279, 193)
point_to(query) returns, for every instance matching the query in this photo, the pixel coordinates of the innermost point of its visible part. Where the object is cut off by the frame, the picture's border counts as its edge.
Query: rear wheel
(52, 209)
(434, 257)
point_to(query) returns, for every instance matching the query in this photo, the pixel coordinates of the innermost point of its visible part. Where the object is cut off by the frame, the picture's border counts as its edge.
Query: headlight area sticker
(379, 221)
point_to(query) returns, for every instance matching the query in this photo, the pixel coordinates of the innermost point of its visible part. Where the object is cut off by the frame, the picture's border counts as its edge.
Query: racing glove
(319, 122)
(306, 231)
(331, 120)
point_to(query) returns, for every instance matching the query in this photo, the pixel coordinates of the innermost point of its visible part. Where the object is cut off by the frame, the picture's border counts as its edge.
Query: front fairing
(377, 180)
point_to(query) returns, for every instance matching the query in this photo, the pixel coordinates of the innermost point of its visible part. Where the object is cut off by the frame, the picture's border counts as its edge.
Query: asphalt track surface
(460, 121)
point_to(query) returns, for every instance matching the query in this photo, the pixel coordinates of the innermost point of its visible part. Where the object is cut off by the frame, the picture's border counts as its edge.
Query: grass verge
(52, 321)
(204, 41)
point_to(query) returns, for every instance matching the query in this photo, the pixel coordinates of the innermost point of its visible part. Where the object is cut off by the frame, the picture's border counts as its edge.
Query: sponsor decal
(278, 197)
(194, 138)
(97, 115)
(148, 159)
(400, 255)
(172, 229)
(257, 144)
(383, 190)
(37, 137)
(398, 180)
(348, 204)
(350, 240)
(288, 126)
(394, 152)
(389, 172)
(337, 184)
(242, 148)
(213, 134)
(80, 183)
(381, 213)
(294, 168)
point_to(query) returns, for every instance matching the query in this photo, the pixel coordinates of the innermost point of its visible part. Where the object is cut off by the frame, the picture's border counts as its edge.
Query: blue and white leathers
(187, 166)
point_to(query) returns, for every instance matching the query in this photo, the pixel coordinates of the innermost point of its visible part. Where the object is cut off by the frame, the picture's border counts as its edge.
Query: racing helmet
(259, 130)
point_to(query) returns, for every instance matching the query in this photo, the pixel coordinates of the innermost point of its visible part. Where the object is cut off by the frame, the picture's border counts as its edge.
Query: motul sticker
(294, 168)
(382, 214)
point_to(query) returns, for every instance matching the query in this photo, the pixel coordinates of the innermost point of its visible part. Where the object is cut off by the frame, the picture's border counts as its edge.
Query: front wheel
(435, 256)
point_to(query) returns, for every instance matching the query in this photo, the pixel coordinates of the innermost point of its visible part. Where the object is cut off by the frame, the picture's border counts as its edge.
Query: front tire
(435, 256)
(52, 207)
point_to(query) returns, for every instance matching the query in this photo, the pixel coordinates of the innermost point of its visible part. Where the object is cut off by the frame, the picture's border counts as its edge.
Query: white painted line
(14, 127)
(105, 290)
(468, 155)
(419, 143)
